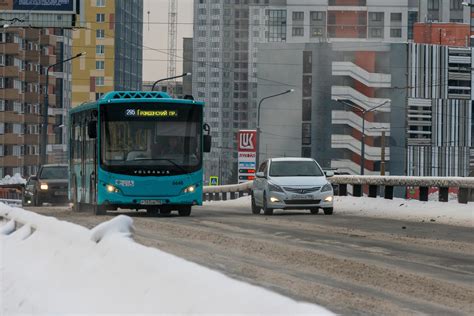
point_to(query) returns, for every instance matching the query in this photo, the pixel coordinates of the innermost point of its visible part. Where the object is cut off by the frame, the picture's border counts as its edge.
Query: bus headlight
(110, 188)
(44, 186)
(190, 189)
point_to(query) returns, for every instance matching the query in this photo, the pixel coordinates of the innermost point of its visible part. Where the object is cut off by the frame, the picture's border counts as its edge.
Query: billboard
(39, 5)
(247, 155)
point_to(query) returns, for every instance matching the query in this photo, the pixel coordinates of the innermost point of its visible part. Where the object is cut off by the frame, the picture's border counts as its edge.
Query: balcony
(32, 139)
(49, 40)
(11, 117)
(47, 60)
(32, 97)
(9, 72)
(31, 160)
(10, 161)
(374, 80)
(352, 144)
(11, 139)
(29, 76)
(31, 55)
(347, 3)
(363, 101)
(32, 34)
(9, 48)
(9, 94)
(355, 121)
(32, 118)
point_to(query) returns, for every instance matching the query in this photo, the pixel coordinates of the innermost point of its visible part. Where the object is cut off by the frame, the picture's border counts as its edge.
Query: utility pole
(382, 162)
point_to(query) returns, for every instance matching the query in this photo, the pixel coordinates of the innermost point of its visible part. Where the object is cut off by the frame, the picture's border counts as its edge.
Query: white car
(291, 183)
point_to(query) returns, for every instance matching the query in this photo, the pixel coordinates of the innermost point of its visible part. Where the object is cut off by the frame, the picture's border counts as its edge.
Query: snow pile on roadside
(16, 179)
(55, 267)
(452, 212)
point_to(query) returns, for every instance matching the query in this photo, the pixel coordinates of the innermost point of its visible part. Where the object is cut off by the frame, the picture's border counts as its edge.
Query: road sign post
(213, 180)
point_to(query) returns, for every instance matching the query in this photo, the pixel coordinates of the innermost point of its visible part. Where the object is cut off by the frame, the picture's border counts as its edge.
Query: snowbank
(51, 267)
(451, 213)
(16, 179)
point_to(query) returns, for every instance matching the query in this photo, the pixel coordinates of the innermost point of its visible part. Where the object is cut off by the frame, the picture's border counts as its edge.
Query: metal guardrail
(465, 185)
(223, 192)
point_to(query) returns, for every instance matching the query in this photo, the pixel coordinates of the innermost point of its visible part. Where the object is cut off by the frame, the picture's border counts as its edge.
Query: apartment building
(440, 111)
(25, 54)
(112, 37)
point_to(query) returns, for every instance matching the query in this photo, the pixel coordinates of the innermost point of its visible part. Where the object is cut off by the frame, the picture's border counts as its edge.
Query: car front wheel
(328, 210)
(255, 208)
(266, 209)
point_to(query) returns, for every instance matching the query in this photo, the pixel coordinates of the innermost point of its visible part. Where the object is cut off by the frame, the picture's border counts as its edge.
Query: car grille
(301, 190)
(301, 202)
(58, 187)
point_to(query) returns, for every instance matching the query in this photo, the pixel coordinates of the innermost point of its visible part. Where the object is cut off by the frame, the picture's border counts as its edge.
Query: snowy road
(349, 264)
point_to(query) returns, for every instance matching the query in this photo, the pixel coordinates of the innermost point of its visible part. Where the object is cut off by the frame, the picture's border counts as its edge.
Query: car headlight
(190, 189)
(327, 187)
(44, 186)
(110, 188)
(274, 188)
(328, 199)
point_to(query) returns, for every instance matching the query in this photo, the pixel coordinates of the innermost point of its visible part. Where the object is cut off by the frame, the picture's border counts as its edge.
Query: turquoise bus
(137, 150)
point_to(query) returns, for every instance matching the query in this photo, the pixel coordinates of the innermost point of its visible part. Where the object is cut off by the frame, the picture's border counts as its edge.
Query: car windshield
(295, 169)
(53, 173)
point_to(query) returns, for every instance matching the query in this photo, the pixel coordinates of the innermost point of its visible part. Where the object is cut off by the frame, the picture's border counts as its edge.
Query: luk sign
(247, 148)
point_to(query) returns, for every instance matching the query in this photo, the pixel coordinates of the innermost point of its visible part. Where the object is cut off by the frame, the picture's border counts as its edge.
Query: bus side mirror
(92, 129)
(207, 141)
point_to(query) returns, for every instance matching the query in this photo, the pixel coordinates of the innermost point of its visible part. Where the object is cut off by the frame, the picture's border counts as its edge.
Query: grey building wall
(128, 45)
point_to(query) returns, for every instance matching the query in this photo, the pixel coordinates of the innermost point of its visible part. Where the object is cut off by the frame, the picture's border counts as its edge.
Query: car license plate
(150, 202)
(302, 197)
(60, 193)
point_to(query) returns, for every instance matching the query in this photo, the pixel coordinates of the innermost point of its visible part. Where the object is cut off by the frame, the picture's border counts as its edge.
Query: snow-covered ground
(16, 179)
(452, 212)
(55, 267)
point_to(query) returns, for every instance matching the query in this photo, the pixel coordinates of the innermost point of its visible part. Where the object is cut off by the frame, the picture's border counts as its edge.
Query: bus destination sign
(151, 113)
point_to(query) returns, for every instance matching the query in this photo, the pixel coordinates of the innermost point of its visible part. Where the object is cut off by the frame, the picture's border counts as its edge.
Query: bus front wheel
(184, 210)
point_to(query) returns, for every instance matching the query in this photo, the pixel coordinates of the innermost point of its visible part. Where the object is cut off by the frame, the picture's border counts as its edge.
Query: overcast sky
(155, 35)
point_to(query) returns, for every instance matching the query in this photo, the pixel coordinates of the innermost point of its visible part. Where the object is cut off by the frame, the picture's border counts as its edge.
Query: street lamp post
(364, 112)
(164, 79)
(44, 127)
(257, 160)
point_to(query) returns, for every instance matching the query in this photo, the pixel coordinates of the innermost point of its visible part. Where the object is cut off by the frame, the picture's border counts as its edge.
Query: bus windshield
(148, 137)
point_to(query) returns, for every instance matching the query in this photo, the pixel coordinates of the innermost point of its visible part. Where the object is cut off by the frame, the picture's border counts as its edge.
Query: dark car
(49, 186)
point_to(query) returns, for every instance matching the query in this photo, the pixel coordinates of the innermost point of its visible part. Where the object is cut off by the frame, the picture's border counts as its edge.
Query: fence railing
(374, 183)
(465, 186)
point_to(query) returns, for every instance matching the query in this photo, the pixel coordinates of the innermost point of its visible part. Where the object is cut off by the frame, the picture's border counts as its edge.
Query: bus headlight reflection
(190, 189)
(110, 188)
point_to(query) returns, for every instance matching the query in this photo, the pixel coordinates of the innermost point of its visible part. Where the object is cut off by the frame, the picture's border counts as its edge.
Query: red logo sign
(247, 140)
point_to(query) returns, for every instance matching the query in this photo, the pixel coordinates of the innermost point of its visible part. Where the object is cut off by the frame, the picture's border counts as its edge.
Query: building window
(456, 5)
(2, 60)
(100, 65)
(98, 95)
(396, 33)
(376, 16)
(2, 82)
(376, 33)
(100, 17)
(100, 33)
(100, 3)
(317, 15)
(99, 81)
(298, 16)
(433, 4)
(316, 32)
(99, 49)
(306, 110)
(298, 31)
(306, 134)
(395, 17)
(276, 25)
(2, 105)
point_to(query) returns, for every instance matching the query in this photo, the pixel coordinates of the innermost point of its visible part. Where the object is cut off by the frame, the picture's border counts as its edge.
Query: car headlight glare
(328, 199)
(44, 186)
(110, 188)
(274, 199)
(327, 187)
(274, 188)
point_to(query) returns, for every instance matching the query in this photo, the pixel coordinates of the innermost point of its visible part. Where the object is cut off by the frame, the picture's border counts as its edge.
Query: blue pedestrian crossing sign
(213, 180)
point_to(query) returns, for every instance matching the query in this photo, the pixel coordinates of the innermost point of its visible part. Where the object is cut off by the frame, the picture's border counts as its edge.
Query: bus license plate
(150, 202)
